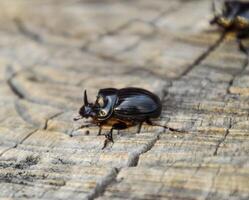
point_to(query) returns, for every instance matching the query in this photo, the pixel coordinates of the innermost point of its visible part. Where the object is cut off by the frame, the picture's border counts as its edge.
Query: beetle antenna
(85, 98)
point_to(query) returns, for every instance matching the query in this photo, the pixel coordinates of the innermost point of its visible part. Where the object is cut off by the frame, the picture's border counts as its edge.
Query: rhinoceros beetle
(232, 16)
(121, 108)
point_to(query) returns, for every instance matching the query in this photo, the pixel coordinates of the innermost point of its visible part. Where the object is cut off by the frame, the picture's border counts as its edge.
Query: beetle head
(87, 110)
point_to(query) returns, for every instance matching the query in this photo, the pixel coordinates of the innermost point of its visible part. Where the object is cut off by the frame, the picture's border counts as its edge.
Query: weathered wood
(52, 50)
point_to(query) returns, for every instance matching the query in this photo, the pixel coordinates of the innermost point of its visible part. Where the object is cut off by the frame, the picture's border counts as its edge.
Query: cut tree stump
(51, 50)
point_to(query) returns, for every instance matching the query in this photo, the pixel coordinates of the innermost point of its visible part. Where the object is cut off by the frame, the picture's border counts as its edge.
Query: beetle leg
(139, 127)
(149, 122)
(108, 138)
(100, 130)
(105, 143)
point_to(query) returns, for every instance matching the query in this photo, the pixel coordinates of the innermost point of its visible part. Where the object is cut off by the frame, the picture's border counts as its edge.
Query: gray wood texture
(51, 50)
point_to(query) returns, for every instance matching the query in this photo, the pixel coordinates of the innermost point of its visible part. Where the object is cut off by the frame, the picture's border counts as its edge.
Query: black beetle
(121, 108)
(234, 15)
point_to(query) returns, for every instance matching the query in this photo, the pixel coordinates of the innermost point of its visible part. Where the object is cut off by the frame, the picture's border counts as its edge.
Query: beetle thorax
(105, 106)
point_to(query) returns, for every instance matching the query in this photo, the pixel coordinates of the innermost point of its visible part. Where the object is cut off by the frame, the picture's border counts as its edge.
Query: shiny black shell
(128, 104)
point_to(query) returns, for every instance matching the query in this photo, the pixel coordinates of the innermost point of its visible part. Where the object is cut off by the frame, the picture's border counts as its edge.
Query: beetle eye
(101, 101)
(102, 113)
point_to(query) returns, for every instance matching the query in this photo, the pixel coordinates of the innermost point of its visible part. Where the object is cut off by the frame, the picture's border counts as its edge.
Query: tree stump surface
(51, 50)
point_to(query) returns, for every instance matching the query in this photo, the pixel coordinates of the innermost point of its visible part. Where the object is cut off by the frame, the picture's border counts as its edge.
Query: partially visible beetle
(233, 15)
(121, 108)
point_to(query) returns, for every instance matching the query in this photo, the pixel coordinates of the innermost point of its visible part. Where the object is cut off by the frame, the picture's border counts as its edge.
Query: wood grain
(52, 50)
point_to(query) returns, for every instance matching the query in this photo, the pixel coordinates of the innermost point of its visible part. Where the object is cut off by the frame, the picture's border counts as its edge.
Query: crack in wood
(240, 72)
(223, 139)
(132, 162)
(126, 25)
(210, 193)
(204, 55)
(6, 150)
(102, 185)
(24, 30)
(134, 156)
(130, 47)
(21, 141)
(12, 86)
(24, 115)
(31, 133)
(14, 89)
(50, 118)
(111, 177)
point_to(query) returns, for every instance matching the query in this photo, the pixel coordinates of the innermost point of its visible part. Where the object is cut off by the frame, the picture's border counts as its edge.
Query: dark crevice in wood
(30, 134)
(120, 28)
(12, 86)
(21, 141)
(11, 75)
(22, 112)
(6, 150)
(102, 56)
(113, 57)
(223, 138)
(50, 118)
(27, 136)
(22, 28)
(230, 71)
(165, 13)
(102, 185)
(130, 47)
(21, 94)
(210, 191)
(204, 55)
(14, 89)
(134, 156)
(240, 72)
(146, 72)
(126, 25)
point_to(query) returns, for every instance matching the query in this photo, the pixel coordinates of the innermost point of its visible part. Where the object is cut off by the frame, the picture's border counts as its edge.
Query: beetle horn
(85, 98)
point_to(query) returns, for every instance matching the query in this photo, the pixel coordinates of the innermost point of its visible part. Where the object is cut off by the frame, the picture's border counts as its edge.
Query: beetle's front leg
(100, 130)
(108, 138)
(139, 127)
